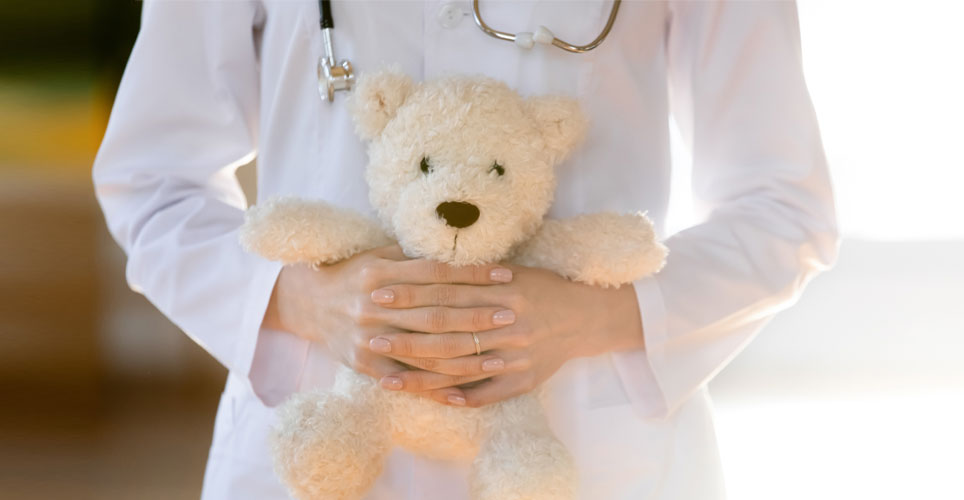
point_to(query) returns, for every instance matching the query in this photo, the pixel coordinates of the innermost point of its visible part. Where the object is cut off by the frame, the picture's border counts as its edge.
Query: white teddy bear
(461, 170)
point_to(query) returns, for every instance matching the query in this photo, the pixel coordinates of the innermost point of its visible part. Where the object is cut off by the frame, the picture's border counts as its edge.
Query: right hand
(334, 305)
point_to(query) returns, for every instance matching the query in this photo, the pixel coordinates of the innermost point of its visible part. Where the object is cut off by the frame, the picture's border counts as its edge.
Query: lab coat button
(450, 15)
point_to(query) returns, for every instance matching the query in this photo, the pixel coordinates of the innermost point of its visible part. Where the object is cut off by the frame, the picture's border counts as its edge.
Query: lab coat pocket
(620, 455)
(239, 466)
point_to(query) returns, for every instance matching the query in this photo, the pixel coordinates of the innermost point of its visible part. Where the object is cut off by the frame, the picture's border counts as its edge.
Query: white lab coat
(211, 84)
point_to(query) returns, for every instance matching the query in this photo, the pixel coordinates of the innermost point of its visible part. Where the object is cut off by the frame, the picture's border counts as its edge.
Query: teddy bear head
(461, 169)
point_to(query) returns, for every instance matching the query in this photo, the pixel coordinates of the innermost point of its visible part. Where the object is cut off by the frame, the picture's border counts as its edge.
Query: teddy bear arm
(291, 230)
(604, 249)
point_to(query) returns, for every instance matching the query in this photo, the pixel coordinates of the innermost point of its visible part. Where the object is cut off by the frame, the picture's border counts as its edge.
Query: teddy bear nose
(458, 213)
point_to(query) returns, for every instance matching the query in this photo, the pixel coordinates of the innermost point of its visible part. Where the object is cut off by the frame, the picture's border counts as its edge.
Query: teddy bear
(461, 170)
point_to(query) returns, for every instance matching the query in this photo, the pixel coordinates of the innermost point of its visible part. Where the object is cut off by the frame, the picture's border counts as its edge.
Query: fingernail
(503, 317)
(380, 344)
(491, 365)
(456, 400)
(382, 296)
(500, 274)
(393, 383)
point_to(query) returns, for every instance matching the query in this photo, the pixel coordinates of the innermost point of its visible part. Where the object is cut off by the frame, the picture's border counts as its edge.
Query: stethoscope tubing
(334, 75)
(562, 44)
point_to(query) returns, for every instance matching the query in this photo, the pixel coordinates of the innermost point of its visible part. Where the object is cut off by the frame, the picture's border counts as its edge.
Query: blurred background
(856, 392)
(100, 396)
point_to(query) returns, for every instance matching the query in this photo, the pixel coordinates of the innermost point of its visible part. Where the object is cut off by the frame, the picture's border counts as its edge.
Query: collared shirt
(212, 84)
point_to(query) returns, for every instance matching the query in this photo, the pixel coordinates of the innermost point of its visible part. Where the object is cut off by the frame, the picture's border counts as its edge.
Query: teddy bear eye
(499, 169)
(425, 166)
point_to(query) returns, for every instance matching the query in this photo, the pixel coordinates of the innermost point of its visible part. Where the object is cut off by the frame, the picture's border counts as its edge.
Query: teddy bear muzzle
(458, 214)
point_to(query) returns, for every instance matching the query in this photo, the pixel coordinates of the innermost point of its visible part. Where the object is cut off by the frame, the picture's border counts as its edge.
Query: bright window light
(887, 80)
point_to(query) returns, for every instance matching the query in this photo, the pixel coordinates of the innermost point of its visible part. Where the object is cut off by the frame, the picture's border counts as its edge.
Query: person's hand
(553, 320)
(336, 305)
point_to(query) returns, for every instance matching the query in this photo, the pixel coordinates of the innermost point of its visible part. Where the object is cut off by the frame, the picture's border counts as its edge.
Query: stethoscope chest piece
(333, 75)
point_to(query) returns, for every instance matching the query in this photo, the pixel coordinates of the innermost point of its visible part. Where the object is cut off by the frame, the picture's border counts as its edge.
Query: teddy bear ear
(561, 121)
(376, 98)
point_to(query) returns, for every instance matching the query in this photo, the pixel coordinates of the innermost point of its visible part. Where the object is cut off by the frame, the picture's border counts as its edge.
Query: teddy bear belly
(436, 431)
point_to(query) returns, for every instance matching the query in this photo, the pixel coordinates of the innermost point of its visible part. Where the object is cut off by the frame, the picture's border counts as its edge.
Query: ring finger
(437, 345)
(489, 363)
(419, 380)
(407, 296)
(448, 319)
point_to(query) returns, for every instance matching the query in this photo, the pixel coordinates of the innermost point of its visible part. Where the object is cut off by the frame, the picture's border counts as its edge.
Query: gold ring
(478, 346)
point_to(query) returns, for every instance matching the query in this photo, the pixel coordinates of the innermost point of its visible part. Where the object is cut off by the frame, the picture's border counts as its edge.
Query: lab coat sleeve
(184, 119)
(762, 190)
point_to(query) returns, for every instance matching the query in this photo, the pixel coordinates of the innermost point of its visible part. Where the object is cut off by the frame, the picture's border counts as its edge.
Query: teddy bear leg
(521, 459)
(331, 445)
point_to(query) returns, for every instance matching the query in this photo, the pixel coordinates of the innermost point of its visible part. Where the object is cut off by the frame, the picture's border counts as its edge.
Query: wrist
(285, 296)
(620, 327)
(630, 336)
(610, 321)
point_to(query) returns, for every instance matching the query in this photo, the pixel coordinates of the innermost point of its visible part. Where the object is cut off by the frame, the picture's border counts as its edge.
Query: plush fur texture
(485, 145)
(463, 127)
(571, 248)
(290, 230)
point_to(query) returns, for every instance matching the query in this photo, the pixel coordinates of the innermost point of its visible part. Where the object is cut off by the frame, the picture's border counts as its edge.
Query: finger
(420, 345)
(376, 366)
(465, 365)
(495, 390)
(438, 319)
(420, 381)
(390, 252)
(452, 396)
(423, 272)
(437, 345)
(404, 296)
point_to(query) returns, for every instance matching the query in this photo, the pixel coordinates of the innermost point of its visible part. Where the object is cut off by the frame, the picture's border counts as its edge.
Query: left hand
(555, 320)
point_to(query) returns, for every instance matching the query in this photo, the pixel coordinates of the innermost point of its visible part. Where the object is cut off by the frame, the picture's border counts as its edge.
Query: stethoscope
(338, 75)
